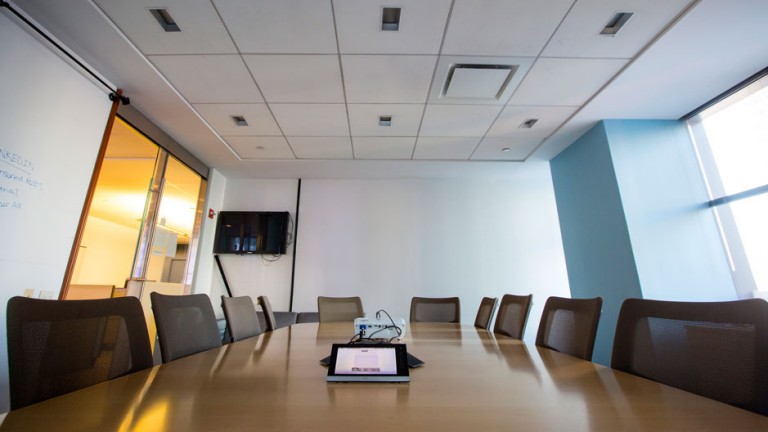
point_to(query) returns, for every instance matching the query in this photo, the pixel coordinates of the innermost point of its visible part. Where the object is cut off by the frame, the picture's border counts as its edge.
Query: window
(731, 138)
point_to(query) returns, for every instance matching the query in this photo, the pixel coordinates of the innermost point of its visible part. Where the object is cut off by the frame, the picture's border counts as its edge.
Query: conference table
(472, 381)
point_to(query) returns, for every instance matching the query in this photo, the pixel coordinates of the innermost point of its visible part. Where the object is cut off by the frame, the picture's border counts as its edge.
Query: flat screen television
(251, 232)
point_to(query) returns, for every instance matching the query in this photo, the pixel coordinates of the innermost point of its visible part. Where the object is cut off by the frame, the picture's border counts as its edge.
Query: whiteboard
(52, 119)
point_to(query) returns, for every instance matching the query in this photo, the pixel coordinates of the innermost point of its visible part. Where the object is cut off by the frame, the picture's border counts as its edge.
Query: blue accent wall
(598, 251)
(634, 222)
(674, 235)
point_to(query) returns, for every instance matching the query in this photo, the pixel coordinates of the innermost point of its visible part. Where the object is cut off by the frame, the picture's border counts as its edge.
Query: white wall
(205, 267)
(251, 274)
(51, 123)
(389, 240)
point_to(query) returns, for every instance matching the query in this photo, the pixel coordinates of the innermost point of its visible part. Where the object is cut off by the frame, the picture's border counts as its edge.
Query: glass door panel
(105, 255)
(174, 225)
(173, 233)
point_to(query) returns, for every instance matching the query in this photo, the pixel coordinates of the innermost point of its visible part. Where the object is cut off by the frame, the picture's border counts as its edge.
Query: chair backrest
(339, 309)
(269, 316)
(717, 350)
(186, 324)
(307, 317)
(513, 315)
(485, 312)
(56, 347)
(242, 321)
(435, 309)
(570, 325)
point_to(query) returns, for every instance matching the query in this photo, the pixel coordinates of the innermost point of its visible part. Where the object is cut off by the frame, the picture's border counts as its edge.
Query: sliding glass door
(142, 224)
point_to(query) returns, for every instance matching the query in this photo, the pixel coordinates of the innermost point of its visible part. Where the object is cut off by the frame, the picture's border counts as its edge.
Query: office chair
(485, 312)
(269, 316)
(186, 324)
(307, 317)
(339, 309)
(714, 349)
(56, 347)
(242, 320)
(513, 315)
(570, 325)
(435, 309)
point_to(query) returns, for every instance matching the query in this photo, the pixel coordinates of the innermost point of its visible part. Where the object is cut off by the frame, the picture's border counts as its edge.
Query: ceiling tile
(219, 116)
(311, 120)
(364, 119)
(579, 34)
(502, 27)
(202, 32)
(446, 64)
(297, 78)
(445, 148)
(458, 120)
(209, 78)
(548, 119)
(383, 147)
(321, 147)
(493, 148)
(568, 82)
(248, 147)
(280, 26)
(387, 78)
(422, 23)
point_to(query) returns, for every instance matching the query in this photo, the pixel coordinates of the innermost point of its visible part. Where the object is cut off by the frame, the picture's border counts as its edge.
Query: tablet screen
(379, 362)
(366, 360)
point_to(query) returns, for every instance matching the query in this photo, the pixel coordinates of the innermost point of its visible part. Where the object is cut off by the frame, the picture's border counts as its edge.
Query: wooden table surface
(471, 382)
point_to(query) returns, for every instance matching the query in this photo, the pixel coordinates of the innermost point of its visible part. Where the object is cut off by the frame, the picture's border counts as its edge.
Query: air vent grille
(477, 81)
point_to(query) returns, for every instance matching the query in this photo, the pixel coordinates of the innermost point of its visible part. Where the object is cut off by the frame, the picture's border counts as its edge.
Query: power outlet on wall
(29, 292)
(47, 295)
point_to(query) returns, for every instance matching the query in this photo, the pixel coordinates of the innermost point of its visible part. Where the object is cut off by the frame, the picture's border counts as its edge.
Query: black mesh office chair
(570, 325)
(242, 320)
(186, 324)
(716, 349)
(513, 315)
(435, 309)
(56, 347)
(485, 312)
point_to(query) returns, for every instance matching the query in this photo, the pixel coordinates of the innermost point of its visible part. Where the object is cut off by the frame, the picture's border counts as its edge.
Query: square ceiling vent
(477, 81)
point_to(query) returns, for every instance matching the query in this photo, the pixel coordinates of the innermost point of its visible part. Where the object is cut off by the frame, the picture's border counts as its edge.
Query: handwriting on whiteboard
(16, 178)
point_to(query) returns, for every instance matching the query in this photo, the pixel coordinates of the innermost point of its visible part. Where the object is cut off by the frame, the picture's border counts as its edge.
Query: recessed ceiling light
(390, 18)
(239, 120)
(385, 120)
(616, 23)
(505, 149)
(165, 19)
(528, 123)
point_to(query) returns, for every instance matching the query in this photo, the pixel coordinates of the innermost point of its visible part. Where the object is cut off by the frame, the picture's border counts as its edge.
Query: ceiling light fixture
(528, 123)
(390, 18)
(385, 120)
(505, 149)
(616, 23)
(165, 19)
(239, 120)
